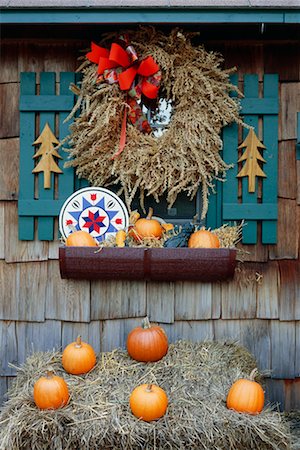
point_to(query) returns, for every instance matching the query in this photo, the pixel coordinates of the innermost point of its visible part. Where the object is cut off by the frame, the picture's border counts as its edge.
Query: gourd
(80, 239)
(78, 357)
(246, 396)
(147, 343)
(203, 239)
(120, 238)
(147, 228)
(50, 391)
(148, 402)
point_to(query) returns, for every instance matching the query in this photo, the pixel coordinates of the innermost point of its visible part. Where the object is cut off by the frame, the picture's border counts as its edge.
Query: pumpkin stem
(150, 213)
(149, 388)
(145, 323)
(78, 342)
(49, 372)
(253, 374)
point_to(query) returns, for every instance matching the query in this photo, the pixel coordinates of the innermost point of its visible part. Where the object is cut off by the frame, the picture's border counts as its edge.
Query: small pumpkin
(148, 402)
(147, 343)
(80, 239)
(147, 228)
(246, 396)
(120, 238)
(78, 357)
(50, 391)
(167, 226)
(203, 239)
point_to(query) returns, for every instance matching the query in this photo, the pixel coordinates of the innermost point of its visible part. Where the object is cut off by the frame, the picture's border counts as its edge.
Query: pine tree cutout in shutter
(47, 164)
(251, 155)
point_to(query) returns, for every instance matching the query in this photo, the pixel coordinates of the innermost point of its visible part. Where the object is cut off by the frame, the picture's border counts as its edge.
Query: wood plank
(289, 106)
(31, 56)
(90, 333)
(292, 395)
(9, 168)
(37, 337)
(53, 249)
(283, 350)
(257, 252)
(274, 392)
(191, 330)
(270, 138)
(216, 300)
(251, 61)
(20, 251)
(3, 390)
(45, 225)
(253, 334)
(287, 171)
(251, 89)
(298, 182)
(62, 56)
(267, 291)
(116, 299)
(193, 300)
(288, 231)
(8, 345)
(9, 107)
(46, 102)
(289, 291)
(9, 62)
(66, 299)
(26, 179)
(160, 301)
(297, 360)
(239, 295)
(2, 252)
(114, 333)
(22, 294)
(283, 59)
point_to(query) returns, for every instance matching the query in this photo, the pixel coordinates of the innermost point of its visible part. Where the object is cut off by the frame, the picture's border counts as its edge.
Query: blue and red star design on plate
(95, 210)
(93, 217)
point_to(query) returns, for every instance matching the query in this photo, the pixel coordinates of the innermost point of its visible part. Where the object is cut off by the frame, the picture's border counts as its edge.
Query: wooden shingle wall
(260, 307)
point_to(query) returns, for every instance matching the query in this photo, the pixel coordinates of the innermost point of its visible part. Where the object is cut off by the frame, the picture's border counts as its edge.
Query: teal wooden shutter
(228, 204)
(38, 207)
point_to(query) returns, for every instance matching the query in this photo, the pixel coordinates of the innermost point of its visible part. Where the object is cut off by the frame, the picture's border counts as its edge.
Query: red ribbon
(118, 57)
(122, 66)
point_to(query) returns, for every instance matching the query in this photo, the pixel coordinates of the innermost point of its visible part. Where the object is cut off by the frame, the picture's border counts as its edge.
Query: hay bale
(196, 377)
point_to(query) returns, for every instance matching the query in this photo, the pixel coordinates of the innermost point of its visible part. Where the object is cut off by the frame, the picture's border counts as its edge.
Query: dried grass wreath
(187, 154)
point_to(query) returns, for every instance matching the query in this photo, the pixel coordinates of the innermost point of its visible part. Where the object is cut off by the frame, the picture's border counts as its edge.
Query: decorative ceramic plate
(96, 210)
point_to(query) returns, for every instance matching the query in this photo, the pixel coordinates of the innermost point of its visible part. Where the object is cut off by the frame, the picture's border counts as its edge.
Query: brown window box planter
(160, 264)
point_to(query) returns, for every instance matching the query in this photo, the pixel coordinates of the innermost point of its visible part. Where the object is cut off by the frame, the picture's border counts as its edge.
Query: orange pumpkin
(50, 392)
(78, 357)
(147, 228)
(148, 402)
(203, 239)
(246, 396)
(147, 343)
(80, 239)
(167, 226)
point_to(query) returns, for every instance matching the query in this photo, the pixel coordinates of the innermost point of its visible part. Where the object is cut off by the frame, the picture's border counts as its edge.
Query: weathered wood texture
(260, 308)
(9, 168)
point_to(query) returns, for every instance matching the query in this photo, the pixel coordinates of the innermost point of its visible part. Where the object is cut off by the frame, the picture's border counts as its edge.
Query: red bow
(122, 66)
